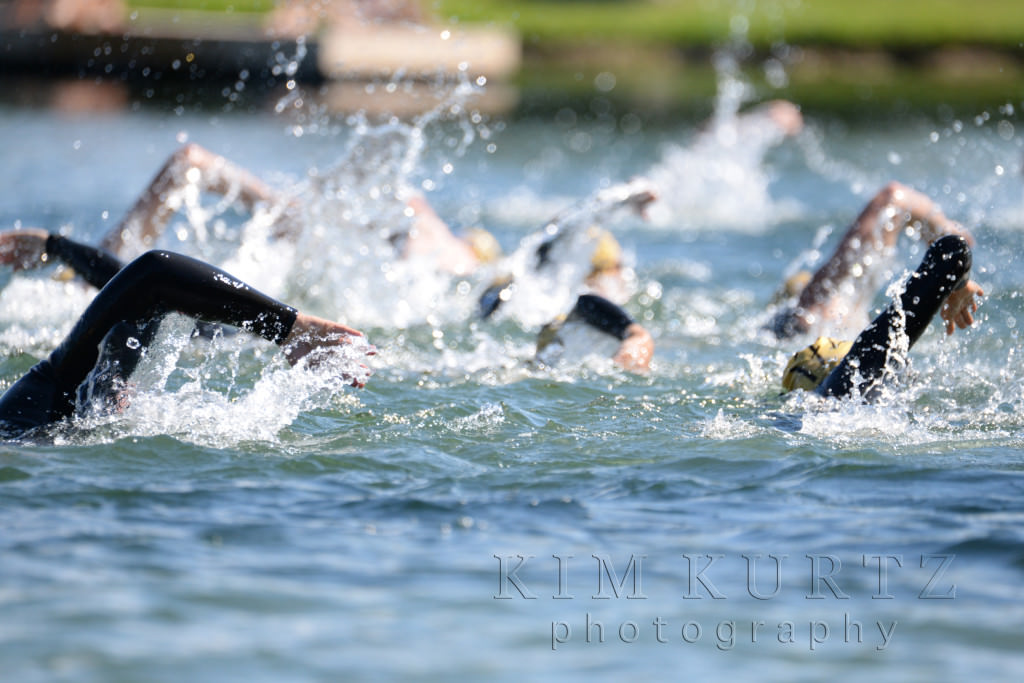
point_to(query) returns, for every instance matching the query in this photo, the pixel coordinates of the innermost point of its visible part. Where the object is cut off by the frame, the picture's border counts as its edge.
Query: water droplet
(605, 81)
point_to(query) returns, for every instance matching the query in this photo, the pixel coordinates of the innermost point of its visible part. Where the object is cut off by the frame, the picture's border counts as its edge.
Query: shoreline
(656, 82)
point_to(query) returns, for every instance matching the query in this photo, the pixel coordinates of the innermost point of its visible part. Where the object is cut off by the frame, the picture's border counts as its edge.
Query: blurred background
(654, 57)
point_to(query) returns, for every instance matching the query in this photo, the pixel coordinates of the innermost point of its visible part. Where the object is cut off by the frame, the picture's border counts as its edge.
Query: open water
(471, 514)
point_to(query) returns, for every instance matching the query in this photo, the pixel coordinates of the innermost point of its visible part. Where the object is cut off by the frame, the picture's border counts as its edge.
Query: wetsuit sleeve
(946, 266)
(156, 283)
(96, 266)
(602, 314)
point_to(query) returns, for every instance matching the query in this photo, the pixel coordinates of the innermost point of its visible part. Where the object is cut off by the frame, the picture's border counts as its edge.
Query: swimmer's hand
(23, 249)
(960, 306)
(636, 195)
(634, 354)
(310, 333)
(641, 193)
(784, 114)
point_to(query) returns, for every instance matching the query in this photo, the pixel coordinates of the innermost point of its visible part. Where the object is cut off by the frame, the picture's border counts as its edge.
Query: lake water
(472, 515)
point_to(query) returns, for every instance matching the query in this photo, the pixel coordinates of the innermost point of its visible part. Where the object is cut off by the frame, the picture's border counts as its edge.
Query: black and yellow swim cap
(809, 367)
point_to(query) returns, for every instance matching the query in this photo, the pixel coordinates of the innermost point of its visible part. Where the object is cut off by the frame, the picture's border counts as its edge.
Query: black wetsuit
(874, 354)
(593, 311)
(123, 318)
(601, 314)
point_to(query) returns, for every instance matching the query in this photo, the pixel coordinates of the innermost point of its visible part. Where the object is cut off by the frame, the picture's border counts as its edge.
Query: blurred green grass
(892, 24)
(854, 58)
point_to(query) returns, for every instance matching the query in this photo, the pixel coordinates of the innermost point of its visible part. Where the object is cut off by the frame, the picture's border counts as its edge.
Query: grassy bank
(891, 24)
(876, 56)
(548, 24)
(872, 58)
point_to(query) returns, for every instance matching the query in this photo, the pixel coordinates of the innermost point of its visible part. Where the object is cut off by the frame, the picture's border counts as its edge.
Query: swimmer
(773, 120)
(835, 368)
(635, 345)
(718, 176)
(427, 236)
(193, 165)
(106, 343)
(572, 233)
(837, 294)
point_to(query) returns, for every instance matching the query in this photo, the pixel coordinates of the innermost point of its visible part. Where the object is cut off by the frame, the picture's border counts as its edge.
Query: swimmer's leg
(945, 267)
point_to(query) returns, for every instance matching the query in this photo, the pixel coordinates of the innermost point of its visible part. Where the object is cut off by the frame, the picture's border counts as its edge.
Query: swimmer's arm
(32, 247)
(636, 195)
(959, 309)
(636, 346)
(783, 115)
(917, 207)
(23, 249)
(870, 229)
(636, 350)
(146, 220)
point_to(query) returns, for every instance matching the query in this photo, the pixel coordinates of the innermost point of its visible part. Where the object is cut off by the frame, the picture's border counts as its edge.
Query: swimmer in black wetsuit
(571, 234)
(123, 319)
(635, 348)
(840, 369)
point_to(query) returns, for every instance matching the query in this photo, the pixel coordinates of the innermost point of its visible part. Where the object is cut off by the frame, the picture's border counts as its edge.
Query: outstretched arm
(32, 247)
(23, 249)
(156, 283)
(190, 165)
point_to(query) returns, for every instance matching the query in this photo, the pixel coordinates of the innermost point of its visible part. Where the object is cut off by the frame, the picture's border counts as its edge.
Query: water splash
(719, 178)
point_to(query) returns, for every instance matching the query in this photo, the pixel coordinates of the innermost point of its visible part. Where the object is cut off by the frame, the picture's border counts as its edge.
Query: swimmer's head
(809, 367)
(793, 285)
(607, 254)
(483, 244)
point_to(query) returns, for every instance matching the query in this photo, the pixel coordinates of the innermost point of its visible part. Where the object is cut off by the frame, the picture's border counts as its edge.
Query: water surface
(246, 521)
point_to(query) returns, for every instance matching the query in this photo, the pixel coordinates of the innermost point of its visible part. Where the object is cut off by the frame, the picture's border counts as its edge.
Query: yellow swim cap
(483, 244)
(607, 252)
(809, 367)
(795, 284)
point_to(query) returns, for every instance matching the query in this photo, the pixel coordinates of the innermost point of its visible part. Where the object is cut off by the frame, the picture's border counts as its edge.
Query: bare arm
(870, 233)
(191, 164)
(782, 114)
(23, 249)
